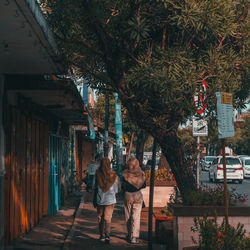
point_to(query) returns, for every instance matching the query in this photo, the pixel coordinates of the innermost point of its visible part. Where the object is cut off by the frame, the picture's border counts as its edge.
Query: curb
(69, 237)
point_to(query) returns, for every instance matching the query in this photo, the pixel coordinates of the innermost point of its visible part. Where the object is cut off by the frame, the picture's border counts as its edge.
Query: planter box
(163, 226)
(161, 195)
(162, 183)
(164, 229)
(184, 220)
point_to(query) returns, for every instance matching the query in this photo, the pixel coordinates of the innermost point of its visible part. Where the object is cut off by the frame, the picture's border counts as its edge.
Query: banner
(91, 128)
(225, 115)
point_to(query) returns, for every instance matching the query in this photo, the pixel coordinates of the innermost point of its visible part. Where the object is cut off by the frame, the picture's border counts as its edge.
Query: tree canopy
(128, 126)
(240, 143)
(156, 54)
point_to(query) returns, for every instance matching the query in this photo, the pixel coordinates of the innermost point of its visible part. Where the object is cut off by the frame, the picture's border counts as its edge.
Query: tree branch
(101, 76)
(220, 44)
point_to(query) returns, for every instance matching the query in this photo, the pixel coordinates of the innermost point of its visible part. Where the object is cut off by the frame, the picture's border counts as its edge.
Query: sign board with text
(200, 99)
(225, 115)
(200, 127)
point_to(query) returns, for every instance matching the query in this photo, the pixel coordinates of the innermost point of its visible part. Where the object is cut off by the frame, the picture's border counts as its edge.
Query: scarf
(106, 177)
(134, 175)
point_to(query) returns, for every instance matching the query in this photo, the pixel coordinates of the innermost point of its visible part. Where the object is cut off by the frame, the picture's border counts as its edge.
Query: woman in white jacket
(106, 189)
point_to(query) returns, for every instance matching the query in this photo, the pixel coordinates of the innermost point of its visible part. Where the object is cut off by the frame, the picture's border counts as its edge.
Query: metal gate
(26, 183)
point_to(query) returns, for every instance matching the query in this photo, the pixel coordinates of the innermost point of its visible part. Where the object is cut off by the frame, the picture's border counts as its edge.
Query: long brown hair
(105, 175)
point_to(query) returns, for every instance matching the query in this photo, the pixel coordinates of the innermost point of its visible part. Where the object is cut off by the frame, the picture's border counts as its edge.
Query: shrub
(160, 175)
(206, 195)
(166, 211)
(214, 236)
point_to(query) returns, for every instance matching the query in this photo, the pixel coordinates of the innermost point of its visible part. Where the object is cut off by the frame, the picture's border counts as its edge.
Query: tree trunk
(173, 151)
(141, 140)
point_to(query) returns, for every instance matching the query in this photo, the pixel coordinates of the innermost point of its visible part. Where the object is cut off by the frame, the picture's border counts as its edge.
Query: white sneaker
(102, 238)
(134, 241)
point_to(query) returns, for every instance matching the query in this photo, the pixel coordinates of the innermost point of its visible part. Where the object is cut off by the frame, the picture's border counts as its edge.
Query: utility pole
(225, 181)
(151, 198)
(200, 128)
(225, 119)
(118, 132)
(106, 135)
(198, 162)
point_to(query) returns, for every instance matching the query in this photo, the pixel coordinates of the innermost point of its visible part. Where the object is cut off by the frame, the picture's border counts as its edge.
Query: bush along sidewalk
(207, 196)
(219, 236)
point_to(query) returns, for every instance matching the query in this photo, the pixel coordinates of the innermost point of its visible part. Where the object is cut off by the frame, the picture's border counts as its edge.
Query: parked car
(241, 156)
(145, 160)
(246, 166)
(207, 162)
(233, 166)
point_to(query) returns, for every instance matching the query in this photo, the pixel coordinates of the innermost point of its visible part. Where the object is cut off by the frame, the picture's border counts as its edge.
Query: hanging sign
(199, 99)
(225, 115)
(91, 128)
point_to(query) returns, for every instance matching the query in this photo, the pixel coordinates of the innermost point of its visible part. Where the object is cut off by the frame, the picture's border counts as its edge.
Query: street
(243, 188)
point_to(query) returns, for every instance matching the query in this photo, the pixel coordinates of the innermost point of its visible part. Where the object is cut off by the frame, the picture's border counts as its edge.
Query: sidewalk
(51, 231)
(75, 228)
(85, 231)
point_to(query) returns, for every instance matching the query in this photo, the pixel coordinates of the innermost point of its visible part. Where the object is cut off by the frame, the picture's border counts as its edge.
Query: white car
(246, 166)
(145, 160)
(233, 166)
(207, 162)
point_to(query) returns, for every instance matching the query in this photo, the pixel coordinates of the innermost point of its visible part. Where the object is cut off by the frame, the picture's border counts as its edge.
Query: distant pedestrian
(106, 187)
(133, 181)
(92, 167)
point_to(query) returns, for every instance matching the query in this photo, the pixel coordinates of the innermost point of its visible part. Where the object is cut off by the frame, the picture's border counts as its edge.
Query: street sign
(124, 150)
(199, 98)
(225, 115)
(200, 127)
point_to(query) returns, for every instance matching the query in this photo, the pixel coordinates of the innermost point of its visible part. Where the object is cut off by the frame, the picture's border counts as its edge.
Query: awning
(27, 44)
(60, 97)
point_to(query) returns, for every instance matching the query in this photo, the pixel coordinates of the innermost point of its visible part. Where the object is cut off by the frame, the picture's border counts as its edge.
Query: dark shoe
(102, 238)
(128, 238)
(101, 228)
(107, 240)
(134, 241)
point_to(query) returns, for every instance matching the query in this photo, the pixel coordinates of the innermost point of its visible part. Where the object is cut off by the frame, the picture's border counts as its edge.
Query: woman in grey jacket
(106, 189)
(133, 181)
